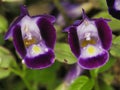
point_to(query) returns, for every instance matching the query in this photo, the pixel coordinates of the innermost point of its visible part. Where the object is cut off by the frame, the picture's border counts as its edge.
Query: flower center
(117, 4)
(91, 50)
(88, 40)
(29, 41)
(36, 50)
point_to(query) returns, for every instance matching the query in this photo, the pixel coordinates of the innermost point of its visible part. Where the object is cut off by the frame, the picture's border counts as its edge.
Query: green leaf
(104, 86)
(114, 23)
(45, 76)
(82, 83)
(99, 3)
(108, 65)
(108, 77)
(79, 83)
(61, 87)
(2, 39)
(116, 40)
(115, 50)
(115, 47)
(102, 3)
(60, 34)
(89, 85)
(3, 24)
(64, 54)
(6, 60)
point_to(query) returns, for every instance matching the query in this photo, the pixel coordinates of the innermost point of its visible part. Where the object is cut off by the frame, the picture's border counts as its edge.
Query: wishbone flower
(90, 40)
(34, 39)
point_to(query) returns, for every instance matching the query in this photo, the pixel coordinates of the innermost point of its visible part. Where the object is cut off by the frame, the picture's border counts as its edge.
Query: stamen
(29, 39)
(29, 36)
(85, 42)
(87, 36)
(28, 42)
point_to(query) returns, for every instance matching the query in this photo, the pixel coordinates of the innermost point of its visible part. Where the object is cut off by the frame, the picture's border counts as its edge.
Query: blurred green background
(16, 76)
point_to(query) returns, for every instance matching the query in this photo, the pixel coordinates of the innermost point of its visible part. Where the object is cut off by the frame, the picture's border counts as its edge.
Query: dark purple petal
(48, 17)
(73, 73)
(15, 22)
(11, 27)
(94, 62)
(84, 16)
(105, 33)
(111, 8)
(24, 10)
(73, 41)
(67, 29)
(110, 3)
(41, 61)
(115, 13)
(47, 31)
(18, 41)
(77, 22)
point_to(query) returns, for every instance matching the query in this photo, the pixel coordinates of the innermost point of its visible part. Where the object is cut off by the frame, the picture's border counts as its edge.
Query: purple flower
(72, 74)
(34, 39)
(72, 10)
(90, 40)
(114, 8)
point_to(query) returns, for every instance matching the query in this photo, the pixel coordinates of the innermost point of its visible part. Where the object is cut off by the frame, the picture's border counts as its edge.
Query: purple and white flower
(34, 39)
(114, 8)
(90, 40)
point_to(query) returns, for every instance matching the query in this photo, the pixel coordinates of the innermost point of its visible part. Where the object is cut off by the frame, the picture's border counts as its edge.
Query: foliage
(16, 76)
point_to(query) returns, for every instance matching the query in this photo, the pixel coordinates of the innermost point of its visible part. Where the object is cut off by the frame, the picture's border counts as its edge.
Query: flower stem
(94, 75)
(96, 85)
(17, 72)
(22, 76)
(73, 73)
(26, 83)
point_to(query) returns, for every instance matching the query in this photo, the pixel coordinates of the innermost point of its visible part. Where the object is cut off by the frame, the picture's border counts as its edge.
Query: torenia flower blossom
(72, 11)
(114, 8)
(90, 40)
(34, 39)
(72, 74)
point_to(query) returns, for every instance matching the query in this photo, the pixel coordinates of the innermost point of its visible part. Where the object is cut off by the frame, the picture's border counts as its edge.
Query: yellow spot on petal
(36, 49)
(91, 49)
